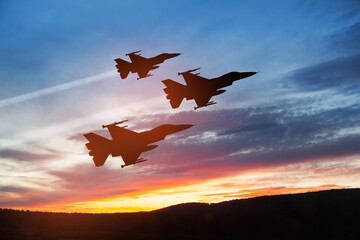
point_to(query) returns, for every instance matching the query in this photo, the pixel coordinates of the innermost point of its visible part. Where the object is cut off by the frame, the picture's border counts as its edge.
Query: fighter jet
(141, 65)
(199, 88)
(126, 143)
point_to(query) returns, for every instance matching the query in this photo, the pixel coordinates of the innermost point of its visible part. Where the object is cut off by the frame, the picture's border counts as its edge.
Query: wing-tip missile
(115, 123)
(188, 71)
(128, 54)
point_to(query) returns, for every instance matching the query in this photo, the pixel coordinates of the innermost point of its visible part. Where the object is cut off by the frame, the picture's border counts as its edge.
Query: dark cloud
(83, 182)
(24, 155)
(351, 14)
(342, 74)
(257, 137)
(342, 146)
(347, 39)
(13, 189)
(94, 182)
(29, 196)
(33, 198)
(223, 142)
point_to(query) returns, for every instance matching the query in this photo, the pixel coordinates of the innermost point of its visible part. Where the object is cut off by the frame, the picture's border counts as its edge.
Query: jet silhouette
(126, 143)
(199, 88)
(141, 65)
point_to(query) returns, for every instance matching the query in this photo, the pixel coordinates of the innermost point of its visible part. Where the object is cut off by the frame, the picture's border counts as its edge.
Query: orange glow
(156, 193)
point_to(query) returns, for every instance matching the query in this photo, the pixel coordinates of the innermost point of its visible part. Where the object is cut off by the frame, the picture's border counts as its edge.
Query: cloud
(91, 184)
(24, 155)
(31, 198)
(342, 74)
(252, 137)
(235, 139)
(13, 189)
(82, 182)
(346, 39)
(351, 14)
(223, 143)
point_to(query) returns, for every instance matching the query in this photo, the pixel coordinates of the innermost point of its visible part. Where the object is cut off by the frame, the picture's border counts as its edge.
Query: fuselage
(148, 64)
(125, 140)
(212, 86)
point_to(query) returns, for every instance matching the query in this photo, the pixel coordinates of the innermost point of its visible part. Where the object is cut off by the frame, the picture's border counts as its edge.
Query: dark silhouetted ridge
(332, 214)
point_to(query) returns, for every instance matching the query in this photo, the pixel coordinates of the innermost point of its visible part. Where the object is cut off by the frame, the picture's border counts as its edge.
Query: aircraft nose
(185, 126)
(171, 55)
(252, 73)
(241, 75)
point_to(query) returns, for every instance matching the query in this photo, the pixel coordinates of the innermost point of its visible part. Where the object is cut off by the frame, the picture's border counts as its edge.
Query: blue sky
(46, 38)
(300, 111)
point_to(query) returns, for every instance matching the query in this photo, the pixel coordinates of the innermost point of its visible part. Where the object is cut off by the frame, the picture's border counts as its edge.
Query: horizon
(185, 203)
(292, 127)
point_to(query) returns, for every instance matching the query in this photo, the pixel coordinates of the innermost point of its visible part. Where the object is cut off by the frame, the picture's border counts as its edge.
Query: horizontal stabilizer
(99, 148)
(175, 92)
(123, 67)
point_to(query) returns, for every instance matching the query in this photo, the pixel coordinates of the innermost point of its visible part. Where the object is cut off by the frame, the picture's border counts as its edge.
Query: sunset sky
(293, 127)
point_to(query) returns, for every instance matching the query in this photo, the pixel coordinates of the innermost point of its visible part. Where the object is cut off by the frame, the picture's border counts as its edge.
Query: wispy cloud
(24, 155)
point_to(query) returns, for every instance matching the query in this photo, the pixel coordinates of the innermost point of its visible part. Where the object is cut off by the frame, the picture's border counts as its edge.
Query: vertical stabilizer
(123, 67)
(99, 148)
(175, 92)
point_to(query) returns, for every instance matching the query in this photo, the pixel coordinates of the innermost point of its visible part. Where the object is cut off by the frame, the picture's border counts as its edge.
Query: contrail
(57, 88)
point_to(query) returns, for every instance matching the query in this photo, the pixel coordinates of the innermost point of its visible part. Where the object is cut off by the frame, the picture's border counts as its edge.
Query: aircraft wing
(136, 58)
(194, 80)
(120, 133)
(202, 100)
(142, 72)
(130, 157)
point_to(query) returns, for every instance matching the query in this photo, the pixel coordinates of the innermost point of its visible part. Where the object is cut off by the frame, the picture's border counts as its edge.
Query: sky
(293, 127)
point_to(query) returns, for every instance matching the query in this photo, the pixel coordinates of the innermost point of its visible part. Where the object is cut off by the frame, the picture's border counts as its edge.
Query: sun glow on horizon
(251, 183)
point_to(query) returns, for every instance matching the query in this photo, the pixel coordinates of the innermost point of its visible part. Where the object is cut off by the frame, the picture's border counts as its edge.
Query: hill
(332, 214)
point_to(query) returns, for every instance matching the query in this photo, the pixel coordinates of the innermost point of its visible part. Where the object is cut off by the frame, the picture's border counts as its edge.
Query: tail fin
(175, 92)
(123, 67)
(99, 148)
